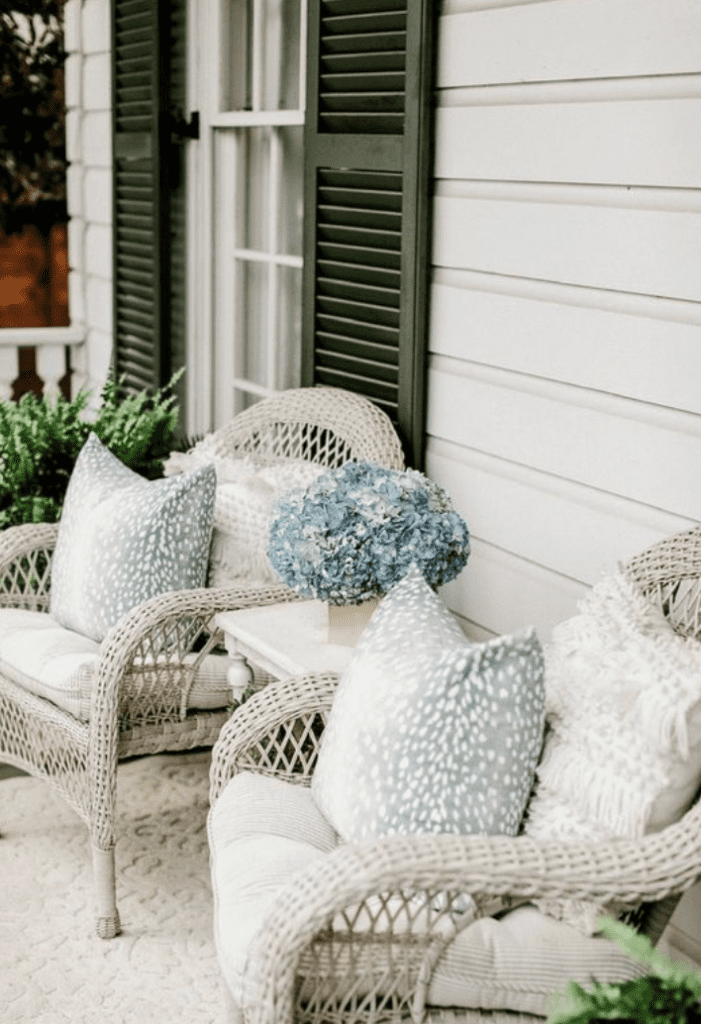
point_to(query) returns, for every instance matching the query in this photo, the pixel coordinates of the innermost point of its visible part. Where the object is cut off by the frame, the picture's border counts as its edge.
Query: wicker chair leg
(108, 924)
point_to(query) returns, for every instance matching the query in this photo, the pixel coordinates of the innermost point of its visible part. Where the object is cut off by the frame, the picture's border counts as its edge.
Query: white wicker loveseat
(343, 938)
(139, 701)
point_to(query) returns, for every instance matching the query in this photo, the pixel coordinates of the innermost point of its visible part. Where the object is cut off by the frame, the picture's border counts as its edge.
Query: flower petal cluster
(355, 531)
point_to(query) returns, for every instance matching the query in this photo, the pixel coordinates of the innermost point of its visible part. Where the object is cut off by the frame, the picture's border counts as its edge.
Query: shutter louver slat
(353, 45)
(147, 76)
(360, 313)
(367, 147)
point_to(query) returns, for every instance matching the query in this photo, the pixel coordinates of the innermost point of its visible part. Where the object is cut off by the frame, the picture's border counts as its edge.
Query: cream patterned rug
(162, 969)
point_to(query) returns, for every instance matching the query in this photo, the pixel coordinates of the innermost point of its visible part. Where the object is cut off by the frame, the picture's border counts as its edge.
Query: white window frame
(211, 371)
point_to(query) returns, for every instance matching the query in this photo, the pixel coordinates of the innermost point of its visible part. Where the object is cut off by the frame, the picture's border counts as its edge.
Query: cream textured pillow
(428, 732)
(622, 755)
(123, 539)
(246, 492)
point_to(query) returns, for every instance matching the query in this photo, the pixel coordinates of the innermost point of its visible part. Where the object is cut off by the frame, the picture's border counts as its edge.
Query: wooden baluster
(51, 367)
(8, 370)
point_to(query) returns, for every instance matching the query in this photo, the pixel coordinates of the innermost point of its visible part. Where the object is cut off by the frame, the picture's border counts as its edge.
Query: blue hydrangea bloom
(354, 532)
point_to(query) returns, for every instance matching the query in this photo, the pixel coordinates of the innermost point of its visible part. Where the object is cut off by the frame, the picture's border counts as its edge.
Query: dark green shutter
(367, 233)
(148, 40)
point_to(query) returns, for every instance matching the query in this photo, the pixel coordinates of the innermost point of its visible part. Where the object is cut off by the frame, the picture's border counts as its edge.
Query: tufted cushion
(263, 830)
(428, 732)
(59, 665)
(623, 753)
(246, 492)
(123, 539)
(520, 961)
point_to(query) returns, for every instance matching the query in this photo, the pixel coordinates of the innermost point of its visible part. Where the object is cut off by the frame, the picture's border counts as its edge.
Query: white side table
(282, 639)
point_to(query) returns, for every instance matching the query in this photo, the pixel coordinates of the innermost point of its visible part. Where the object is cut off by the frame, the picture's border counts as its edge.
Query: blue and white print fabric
(428, 732)
(123, 539)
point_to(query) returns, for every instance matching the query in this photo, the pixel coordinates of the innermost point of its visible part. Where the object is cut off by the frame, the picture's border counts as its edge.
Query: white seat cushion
(263, 830)
(59, 664)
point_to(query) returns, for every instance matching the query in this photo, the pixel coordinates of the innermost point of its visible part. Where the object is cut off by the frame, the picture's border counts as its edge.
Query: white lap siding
(564, 403)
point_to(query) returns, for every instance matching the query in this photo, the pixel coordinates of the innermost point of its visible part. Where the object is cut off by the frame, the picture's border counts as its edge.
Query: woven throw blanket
(622, 753)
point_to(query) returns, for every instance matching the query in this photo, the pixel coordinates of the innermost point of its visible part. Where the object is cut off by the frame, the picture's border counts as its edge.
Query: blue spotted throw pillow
(428, 732)
(123, 539)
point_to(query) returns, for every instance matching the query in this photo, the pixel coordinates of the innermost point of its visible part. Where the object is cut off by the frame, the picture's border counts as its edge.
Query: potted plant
(40, 440)
(667, 994)
(354, 532)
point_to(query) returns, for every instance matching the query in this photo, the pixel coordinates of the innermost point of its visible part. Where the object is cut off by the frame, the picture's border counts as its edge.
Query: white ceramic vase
(347, 622)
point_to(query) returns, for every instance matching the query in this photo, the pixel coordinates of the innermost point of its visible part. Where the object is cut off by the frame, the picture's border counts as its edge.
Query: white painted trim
(589, 90)
(257, 118)
(271, 341)
(257, 256)
(468, 6)
(243, 384)
(29, 337)
(636, 197)
(628, 303)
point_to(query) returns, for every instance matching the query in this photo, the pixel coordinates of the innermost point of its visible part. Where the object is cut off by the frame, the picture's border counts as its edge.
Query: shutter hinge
(180, 129)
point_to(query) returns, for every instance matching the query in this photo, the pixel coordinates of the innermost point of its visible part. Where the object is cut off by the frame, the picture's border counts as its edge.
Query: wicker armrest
(276, 732)
(171, 622)
(518, 868)
(25, 565)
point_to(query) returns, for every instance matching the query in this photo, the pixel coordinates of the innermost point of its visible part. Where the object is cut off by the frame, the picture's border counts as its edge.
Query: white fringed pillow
(246, 491)
(622, 754)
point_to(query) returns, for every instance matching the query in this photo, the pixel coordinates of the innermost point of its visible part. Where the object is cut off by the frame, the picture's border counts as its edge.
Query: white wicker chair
(137, 710)
(301, 969)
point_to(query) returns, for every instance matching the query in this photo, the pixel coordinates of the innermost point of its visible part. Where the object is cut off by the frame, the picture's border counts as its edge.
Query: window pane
(261, 53)
(252, 325)
(273, 161)
(280, 57)
(269, 332)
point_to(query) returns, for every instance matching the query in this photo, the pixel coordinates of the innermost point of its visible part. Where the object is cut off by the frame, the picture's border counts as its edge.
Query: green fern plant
(667, 994)
(40, 440)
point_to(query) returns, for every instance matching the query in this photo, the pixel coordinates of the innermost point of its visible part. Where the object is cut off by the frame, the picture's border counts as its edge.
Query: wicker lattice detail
(141, 681)
(277, 731)
(323, 425)
(45, 742)
(25, 566)
(670, 574)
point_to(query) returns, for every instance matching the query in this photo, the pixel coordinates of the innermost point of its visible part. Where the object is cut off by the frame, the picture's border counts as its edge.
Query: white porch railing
(49, 343)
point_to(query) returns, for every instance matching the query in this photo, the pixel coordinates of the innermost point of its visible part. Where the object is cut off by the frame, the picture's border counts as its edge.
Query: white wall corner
(97, 81)
(97, 195)
(72, 80)
(72, 12)
(97, 138)
(73, 151)
(76, 300)
(96, 26)
(98, 250)
(98, 304)
(98, 350)
(76, 232)
(74, 189)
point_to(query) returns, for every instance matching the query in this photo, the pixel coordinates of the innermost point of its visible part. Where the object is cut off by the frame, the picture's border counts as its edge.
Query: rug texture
(162, 968)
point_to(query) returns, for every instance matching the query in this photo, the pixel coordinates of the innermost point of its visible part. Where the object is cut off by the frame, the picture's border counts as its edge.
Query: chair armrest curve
(520, 868)
(279, 703)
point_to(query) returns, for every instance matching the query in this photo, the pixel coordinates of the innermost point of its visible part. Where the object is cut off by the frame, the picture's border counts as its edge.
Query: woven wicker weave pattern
(142, 682)
(300, 970)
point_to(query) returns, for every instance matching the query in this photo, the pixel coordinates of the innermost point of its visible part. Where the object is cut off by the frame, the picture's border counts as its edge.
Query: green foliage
(668, 994)
(40, 440)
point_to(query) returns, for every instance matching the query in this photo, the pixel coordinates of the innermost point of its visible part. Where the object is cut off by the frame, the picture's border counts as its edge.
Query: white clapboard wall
(564, 403)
